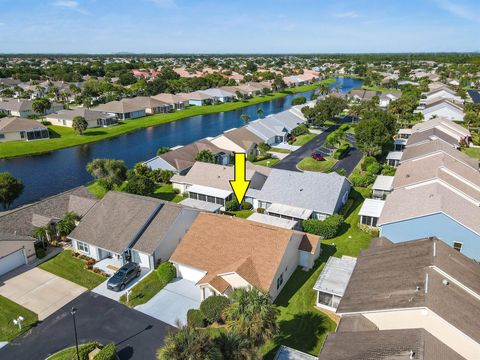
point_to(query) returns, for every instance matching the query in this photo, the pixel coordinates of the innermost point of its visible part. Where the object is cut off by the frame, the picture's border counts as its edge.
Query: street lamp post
(73, 311)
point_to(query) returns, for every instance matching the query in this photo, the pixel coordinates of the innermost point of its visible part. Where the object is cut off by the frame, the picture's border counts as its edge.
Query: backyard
(163, 191)
(9, 311)
(302, 326)
(472, 152)
(72, 268)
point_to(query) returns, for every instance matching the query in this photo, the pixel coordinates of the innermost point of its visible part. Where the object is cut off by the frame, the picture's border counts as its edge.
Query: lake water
(48, 174)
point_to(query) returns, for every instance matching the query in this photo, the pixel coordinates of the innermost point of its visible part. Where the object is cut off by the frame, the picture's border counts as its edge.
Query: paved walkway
(40, 291)
(172, 303)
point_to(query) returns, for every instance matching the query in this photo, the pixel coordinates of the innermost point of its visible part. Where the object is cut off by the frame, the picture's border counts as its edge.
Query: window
(81, 246)
(2, 136)
(202, 197)
(193, 196)
(279, 281)
(457, 245)
(211, 199)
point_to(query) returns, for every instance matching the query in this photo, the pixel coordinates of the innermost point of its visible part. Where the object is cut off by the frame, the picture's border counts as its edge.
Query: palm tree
(354, 112)
(252, 315)
(260, 113)
(43, 234)
(234, 347)
(189, 344)
(323, 89)
(245, 118)
(67, 224)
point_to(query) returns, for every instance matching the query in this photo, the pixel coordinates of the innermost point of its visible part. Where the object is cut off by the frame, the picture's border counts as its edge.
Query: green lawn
(303, 139)
(71, 268)
(165, 192)
(149, 286)
(96, 189)
(302, 326)
(267, 162)
(9, 311)
(280, 150)
(472, 152)
(71, 352)
(63, 137)
(379, 88)
(310, 164)
(240, 213)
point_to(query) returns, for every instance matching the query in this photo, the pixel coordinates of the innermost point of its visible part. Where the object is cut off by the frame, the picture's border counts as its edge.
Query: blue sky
(238, 26)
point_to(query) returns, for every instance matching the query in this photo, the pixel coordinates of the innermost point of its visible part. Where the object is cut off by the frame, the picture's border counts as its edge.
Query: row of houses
(443, 102)
(24, 107)
(435, 191)
(385, 97)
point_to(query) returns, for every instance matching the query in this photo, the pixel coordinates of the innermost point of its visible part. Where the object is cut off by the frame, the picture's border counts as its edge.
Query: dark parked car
(123, 276)
(317, 156)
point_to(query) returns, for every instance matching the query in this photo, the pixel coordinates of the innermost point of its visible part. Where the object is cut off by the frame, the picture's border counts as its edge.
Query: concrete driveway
(115, 295)
(40, 291)
(172, 302)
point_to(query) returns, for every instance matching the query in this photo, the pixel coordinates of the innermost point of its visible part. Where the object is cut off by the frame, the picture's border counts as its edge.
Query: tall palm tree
(245, 118)
(43, 234)
(235, 347)
(252, 315)
(66, 225)
(260, 113)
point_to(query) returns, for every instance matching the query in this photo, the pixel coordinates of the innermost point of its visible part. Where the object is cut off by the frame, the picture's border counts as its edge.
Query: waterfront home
(177, 102)
(219, 95)
(124, 227)
(220, 253)
(387, 97)
(400, 140)
(210, 183)
(421, 284)
(238, 140)
(93, 118)
(122, 109)
(300, 195)
(363, 95)
(15, 251)
(197, 98)
(20, 129)
(181, 158)
(23, 107)
(289, 118)
(149, 104)
(382, 186)
(444, 108)
(270, 130)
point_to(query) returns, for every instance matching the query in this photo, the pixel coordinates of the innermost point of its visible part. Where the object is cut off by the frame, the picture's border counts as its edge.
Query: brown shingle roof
(15, 124)
(243, 138)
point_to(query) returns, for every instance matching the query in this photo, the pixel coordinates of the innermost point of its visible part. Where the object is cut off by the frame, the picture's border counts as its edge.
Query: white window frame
(81, 246)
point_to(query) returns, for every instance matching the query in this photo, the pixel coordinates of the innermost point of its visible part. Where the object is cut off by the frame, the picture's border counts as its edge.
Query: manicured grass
(267, 162)
(302, 326)
(96, 189)
(303, 139)
(472, 152)
(63, 137)
(10, 310)
(149, 286)
(71, 268)
(165, 192)
(379, 88)
(71, 352)
(280, 150)
(240, 213)
(310, 164)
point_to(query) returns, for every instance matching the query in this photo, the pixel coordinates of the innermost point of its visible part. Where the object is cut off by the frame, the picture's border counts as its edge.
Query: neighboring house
(128, 227)
(271, 131)
(175, 101)
(440, 93)
(444, 129)
(290, 118)
(421, 284)
(122, 109)
(238, 140)
(443, 108)
(182, 158)
(382, 186)
(210, 183)
(23, 108)
(393, 158)
(301, 195)
(387, 97)
(93, 118)
(20, 129)
(150, 104)
(220, 254)
(370, 212)
(333, 280)
(363, 95)
(197, 98)
(219, 95)
(15, 251)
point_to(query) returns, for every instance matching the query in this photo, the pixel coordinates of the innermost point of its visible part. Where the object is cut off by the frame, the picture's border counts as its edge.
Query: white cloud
(458, 9)
(70, 4)
(164, 3)
(348, 15)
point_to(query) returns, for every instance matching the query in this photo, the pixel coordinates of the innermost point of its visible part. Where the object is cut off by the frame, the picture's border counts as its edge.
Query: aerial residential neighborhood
(197, 180)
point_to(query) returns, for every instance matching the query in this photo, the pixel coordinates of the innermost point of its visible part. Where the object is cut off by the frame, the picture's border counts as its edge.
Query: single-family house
(289, 118)
(149, 104)
(370, 212)
(15, 251)
(177, 102)
(440, 93)
(23, 107)
(394, 157)
(182, 158)
(20, 129)
(238, 140)
(219, 95)
(450, 128)
(300, 195)
(125, 227)
(122, 109)
(387, 97)
(270, 130)
(422, 284)
(382, 186)
(93, 118)
(220, 253)
(401, 138)
(363, 95)
(333, 280)
(444, 108)
(197, 98)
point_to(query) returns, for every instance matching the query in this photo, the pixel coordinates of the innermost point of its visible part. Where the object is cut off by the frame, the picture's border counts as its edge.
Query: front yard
(310, 164)
(268, 162)
(302, 326)
(9, 311)
(472, 152)
(72, 269)
(303, 139)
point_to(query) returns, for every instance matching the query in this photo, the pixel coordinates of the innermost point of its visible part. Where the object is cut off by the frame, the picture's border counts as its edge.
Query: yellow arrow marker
(240, 183)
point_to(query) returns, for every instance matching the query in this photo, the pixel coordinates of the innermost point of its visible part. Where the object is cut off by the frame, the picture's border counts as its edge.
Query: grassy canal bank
(63, 137)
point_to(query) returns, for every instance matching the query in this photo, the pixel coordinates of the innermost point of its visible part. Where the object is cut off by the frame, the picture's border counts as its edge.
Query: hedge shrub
(107, 353)
(195, 318)
(344, 127)
(246, 205)
(300, 130)
(327, 228)
(367, 161)
(388, 170)
(299, 100)
(212, 308)
(341, 151)
(362, 180)
(232, 205)
(166, 272)
(373, 169)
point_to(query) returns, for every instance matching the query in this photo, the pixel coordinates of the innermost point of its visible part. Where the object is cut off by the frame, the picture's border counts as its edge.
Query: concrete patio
(114, 295)
(172, 303)
(108, 265)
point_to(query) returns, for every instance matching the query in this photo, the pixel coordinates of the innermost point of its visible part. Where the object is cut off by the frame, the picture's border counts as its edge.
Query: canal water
(48, 174)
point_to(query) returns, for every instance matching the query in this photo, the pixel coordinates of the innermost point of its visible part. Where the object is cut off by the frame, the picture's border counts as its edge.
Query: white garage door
(189, 273)
(141, 259)
(12, 261)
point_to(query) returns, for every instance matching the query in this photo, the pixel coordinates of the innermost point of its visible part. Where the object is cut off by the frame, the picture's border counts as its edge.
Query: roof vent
(301, 189)
(445, 282)
(417, 288)
(412, 354)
